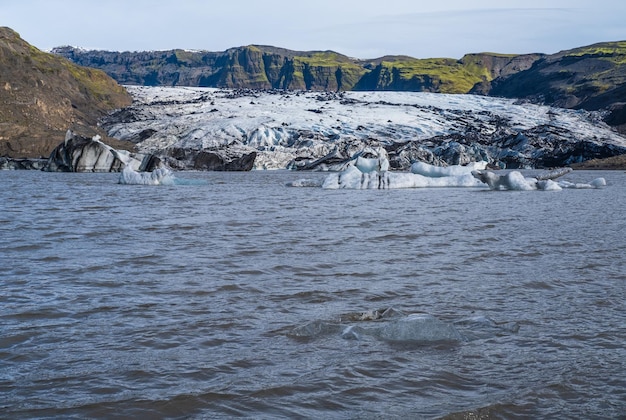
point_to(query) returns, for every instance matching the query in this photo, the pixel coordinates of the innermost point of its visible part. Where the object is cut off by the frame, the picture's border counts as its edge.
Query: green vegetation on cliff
(444, 75)
(265, 67)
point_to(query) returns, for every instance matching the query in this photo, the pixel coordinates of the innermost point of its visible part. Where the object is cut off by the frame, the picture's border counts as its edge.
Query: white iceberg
(432, 171)
(373, 173)
(515, 181)
(160, 176)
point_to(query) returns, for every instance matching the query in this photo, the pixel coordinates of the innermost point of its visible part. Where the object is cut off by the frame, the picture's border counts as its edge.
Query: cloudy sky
(358, 28)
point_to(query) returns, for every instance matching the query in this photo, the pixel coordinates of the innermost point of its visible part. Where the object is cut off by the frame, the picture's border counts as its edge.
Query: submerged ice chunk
(304, 182)
(394, 326)
(423, 328)
(596, 183)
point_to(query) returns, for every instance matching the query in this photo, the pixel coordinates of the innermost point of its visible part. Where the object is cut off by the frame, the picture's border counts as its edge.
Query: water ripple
(179, 302)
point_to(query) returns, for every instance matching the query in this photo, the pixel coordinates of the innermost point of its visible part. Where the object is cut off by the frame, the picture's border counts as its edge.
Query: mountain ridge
(268, 67)
(589, 77)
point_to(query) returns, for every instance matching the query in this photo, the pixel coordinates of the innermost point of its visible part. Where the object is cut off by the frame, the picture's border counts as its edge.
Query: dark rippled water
(123, 301)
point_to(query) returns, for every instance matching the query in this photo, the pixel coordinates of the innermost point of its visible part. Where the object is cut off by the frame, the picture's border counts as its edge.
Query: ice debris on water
(423, 328)
(373, 173)
(369, 169)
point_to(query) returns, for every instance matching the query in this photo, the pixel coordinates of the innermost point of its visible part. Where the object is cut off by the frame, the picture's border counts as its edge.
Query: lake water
(122, 301)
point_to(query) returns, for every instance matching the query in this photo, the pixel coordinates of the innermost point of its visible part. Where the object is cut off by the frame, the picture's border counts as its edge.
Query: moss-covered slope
(570, 78)
(441, 75)
(43, 95)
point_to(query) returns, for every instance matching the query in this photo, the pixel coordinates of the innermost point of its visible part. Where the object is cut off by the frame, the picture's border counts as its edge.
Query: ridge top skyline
(360, 29)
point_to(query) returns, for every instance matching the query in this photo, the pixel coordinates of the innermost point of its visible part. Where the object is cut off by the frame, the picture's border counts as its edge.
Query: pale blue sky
(358, 28)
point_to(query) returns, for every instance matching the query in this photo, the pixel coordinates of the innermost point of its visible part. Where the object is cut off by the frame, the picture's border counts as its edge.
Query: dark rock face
(210, 160)
(500, 66)
(252, 67)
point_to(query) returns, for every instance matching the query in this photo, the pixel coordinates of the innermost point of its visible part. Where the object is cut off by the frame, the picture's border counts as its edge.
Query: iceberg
(160, 176)
(432, 171)
(364, 173)
(515, 181)
(353, 178)
(373, 173)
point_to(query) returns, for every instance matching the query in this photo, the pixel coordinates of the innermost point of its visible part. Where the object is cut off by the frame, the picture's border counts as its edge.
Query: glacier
(325, 130)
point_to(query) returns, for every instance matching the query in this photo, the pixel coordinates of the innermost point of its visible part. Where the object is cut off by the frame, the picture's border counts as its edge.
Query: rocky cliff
(42, 95)
(264, 67)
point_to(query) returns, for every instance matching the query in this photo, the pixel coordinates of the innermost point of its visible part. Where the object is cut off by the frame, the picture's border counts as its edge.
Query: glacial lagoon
(235, 295)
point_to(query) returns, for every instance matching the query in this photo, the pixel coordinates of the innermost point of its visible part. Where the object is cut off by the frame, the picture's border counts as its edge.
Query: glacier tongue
(324, 130)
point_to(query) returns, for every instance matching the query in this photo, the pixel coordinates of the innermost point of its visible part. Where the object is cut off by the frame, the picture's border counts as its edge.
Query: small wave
(305, 183)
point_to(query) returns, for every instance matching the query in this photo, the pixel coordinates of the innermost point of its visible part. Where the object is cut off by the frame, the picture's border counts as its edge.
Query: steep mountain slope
(440, 75)
(591, 78)
(43, 95)
(264, 67)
